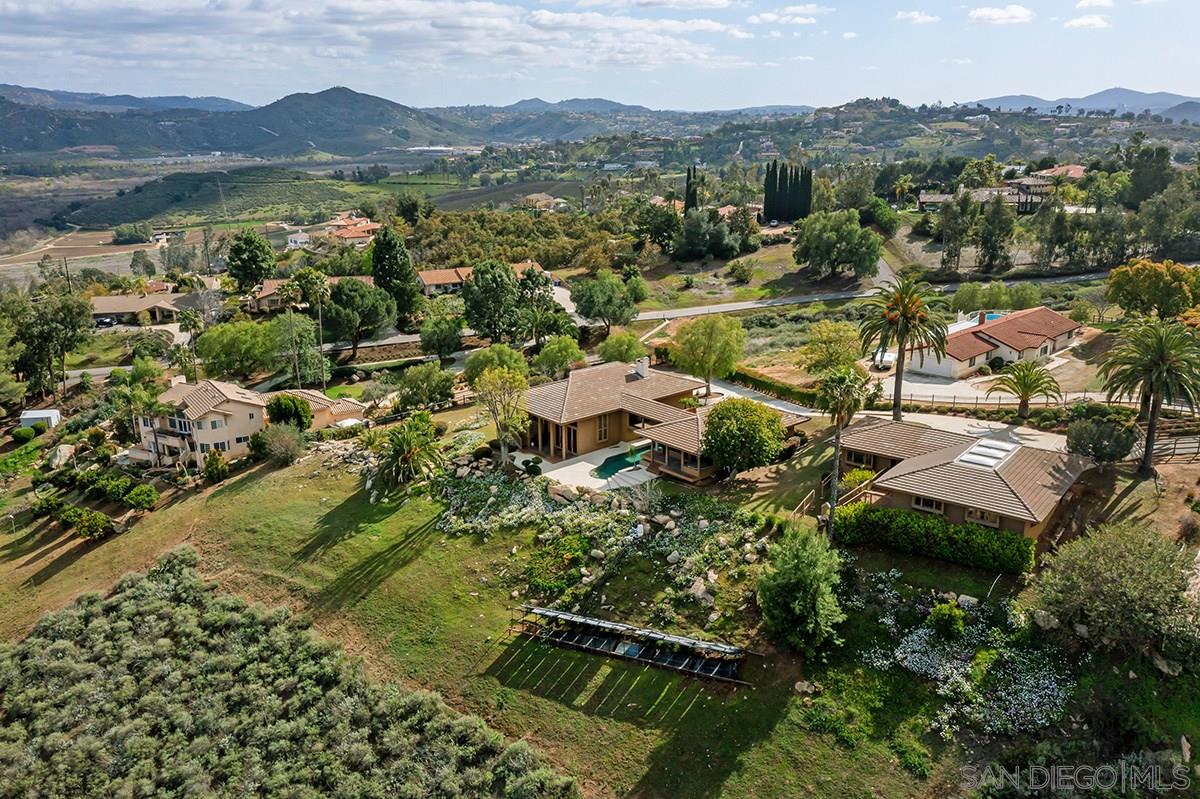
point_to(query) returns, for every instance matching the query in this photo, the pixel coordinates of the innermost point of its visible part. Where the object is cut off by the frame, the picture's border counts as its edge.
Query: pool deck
(578, 470)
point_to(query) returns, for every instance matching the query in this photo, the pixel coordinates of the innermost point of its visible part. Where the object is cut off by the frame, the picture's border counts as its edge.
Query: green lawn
(103, 349)
(351, 390)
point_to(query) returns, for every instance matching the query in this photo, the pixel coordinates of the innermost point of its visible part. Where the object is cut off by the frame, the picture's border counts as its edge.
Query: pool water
(618, 463)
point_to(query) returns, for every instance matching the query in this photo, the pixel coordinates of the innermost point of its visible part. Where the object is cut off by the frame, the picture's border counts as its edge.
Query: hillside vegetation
(250, 193)
(168, 688)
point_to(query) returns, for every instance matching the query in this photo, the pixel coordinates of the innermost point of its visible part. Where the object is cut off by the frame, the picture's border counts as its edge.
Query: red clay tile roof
(1068, 171)
(1020, 330)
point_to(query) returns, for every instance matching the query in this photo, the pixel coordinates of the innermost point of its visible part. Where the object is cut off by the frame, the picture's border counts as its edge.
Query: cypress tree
(806, 190)
(784, 180)
(797, 176)
(769, 185)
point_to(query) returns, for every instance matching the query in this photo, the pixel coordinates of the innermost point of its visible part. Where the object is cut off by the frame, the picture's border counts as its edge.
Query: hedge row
(776, 388)
(924, 534)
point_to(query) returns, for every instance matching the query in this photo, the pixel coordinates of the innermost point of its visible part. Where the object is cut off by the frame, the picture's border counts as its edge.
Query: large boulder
(61, 456)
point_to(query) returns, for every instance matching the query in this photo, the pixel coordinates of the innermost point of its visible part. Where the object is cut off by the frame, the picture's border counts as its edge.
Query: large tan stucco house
(988, 481)
(601, 406)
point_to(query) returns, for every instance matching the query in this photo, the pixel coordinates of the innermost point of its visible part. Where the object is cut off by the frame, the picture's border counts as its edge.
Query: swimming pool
(619, 463)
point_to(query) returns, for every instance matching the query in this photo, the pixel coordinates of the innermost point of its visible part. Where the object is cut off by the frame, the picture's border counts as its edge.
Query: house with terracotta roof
(602, 406)
(1028, 335)
(1071, 172)
(327, 411)
(200, 417)
(265, 297)
(444, 281)
(161, 306)
(991, 481)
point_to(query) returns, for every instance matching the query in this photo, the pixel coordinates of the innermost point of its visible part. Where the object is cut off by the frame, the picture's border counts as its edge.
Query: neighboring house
(444, 281)
(967, 479)
(600, 406)
(327, 412)
(1027, 335)
(1021, 201)
(674, 205)
(298, 240)
(208, 415)
(1069, 171)
(51, 416)
(265, 298)
(1031, 184)
(161, 307)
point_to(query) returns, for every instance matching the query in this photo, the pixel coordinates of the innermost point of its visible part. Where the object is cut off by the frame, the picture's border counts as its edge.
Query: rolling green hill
(251, 193)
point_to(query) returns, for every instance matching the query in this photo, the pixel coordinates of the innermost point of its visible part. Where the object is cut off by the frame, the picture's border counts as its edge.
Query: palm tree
(192, 323)
(902, 187)
(290, 295)
(1159, 358)
(146, 404)
(409, 451)
(1026, 380)
(841, 395)
(909, 313)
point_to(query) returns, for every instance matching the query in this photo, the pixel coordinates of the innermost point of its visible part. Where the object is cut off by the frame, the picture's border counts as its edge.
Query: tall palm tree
(841, 395)
(1026, 380)
(909, 313)
(290, 295)
(902, 187)
(192, 323)
(1159, 358)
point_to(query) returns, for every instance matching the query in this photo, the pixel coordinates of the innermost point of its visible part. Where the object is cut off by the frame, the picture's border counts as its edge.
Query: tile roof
(317, 400)
(594, 390)
(134, 303)
(898, 440)
(1020, 330)
(197, 399)
(271, 285)
(1068, 171)
(451, 277)
(687, 433)
(1008, 479)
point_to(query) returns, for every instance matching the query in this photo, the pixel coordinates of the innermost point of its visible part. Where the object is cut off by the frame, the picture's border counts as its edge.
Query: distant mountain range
(88, 101)
(1116, 99)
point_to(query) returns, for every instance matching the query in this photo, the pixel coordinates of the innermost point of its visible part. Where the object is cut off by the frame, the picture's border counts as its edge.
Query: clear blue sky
(693, 54)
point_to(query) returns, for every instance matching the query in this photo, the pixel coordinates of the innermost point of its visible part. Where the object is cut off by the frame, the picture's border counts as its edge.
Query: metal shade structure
(697, 658)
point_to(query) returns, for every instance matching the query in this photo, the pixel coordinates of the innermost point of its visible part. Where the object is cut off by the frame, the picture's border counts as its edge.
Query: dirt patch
(1081, 368)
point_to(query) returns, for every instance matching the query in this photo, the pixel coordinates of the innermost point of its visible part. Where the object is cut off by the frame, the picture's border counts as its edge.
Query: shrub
(257, 446)
(110, 486)
(284, 443)
(284, 409)
(484, 450)
(23, 435)
(741, 434)
(96, 436)
(92, 524)
(985, 370)
(104, 453)
(798, 593)
(923, 534)
(1102, 440)
(68, 515)
(554, 567)
(773, 387)
(141, 497)
(215, 467)
(854, 478)
(996, 364)
(947, 619)
(39, 428)
(533, 466)
(742, 270)
(46, 506)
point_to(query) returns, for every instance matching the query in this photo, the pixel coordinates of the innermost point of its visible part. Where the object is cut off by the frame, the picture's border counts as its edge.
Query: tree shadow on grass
(352, 516)
(708, 725)
(64, 559)
(43, 534)
(366, 575)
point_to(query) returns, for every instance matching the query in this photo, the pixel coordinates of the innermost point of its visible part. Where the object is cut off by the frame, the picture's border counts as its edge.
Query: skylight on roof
(987, 452)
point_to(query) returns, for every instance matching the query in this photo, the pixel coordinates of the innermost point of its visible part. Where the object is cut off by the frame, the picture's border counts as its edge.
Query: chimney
(983, 316)
(641, 367)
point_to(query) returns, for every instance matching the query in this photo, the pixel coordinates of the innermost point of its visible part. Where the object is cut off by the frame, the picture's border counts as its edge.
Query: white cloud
(917, 17)
(777, 18)
(592, 21)
(849, 35)
(1088, 21)
(808, 8)
(1008, 15)
(801, 58)
(1094, 4)
(961, 62)
(675, 5)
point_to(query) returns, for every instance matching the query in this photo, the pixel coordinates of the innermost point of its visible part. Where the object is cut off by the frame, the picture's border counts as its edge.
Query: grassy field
(774, 273)
(103, 349)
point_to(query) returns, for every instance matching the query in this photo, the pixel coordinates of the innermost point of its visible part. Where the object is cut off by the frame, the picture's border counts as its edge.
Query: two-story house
(205, 416)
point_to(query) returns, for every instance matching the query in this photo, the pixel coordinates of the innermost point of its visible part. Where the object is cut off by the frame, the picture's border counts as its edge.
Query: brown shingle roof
(271, 285)
(687, 433)
(594, 390)
(449, 277)
(195, 400)
(898, 440)
(1026, 484)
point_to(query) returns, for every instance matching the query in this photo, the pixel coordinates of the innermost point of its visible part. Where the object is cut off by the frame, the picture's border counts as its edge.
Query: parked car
(105, 321)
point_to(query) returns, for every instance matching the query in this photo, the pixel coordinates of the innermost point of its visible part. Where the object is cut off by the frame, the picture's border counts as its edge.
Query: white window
(928, 505)
(983, 517)
(865, 459)
(216, 424)
(973, 360)
(199, 424)
(1045, 350)
(241, 439)
(602, 428)
(204, 448)
(146, 422)
(222, 445)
